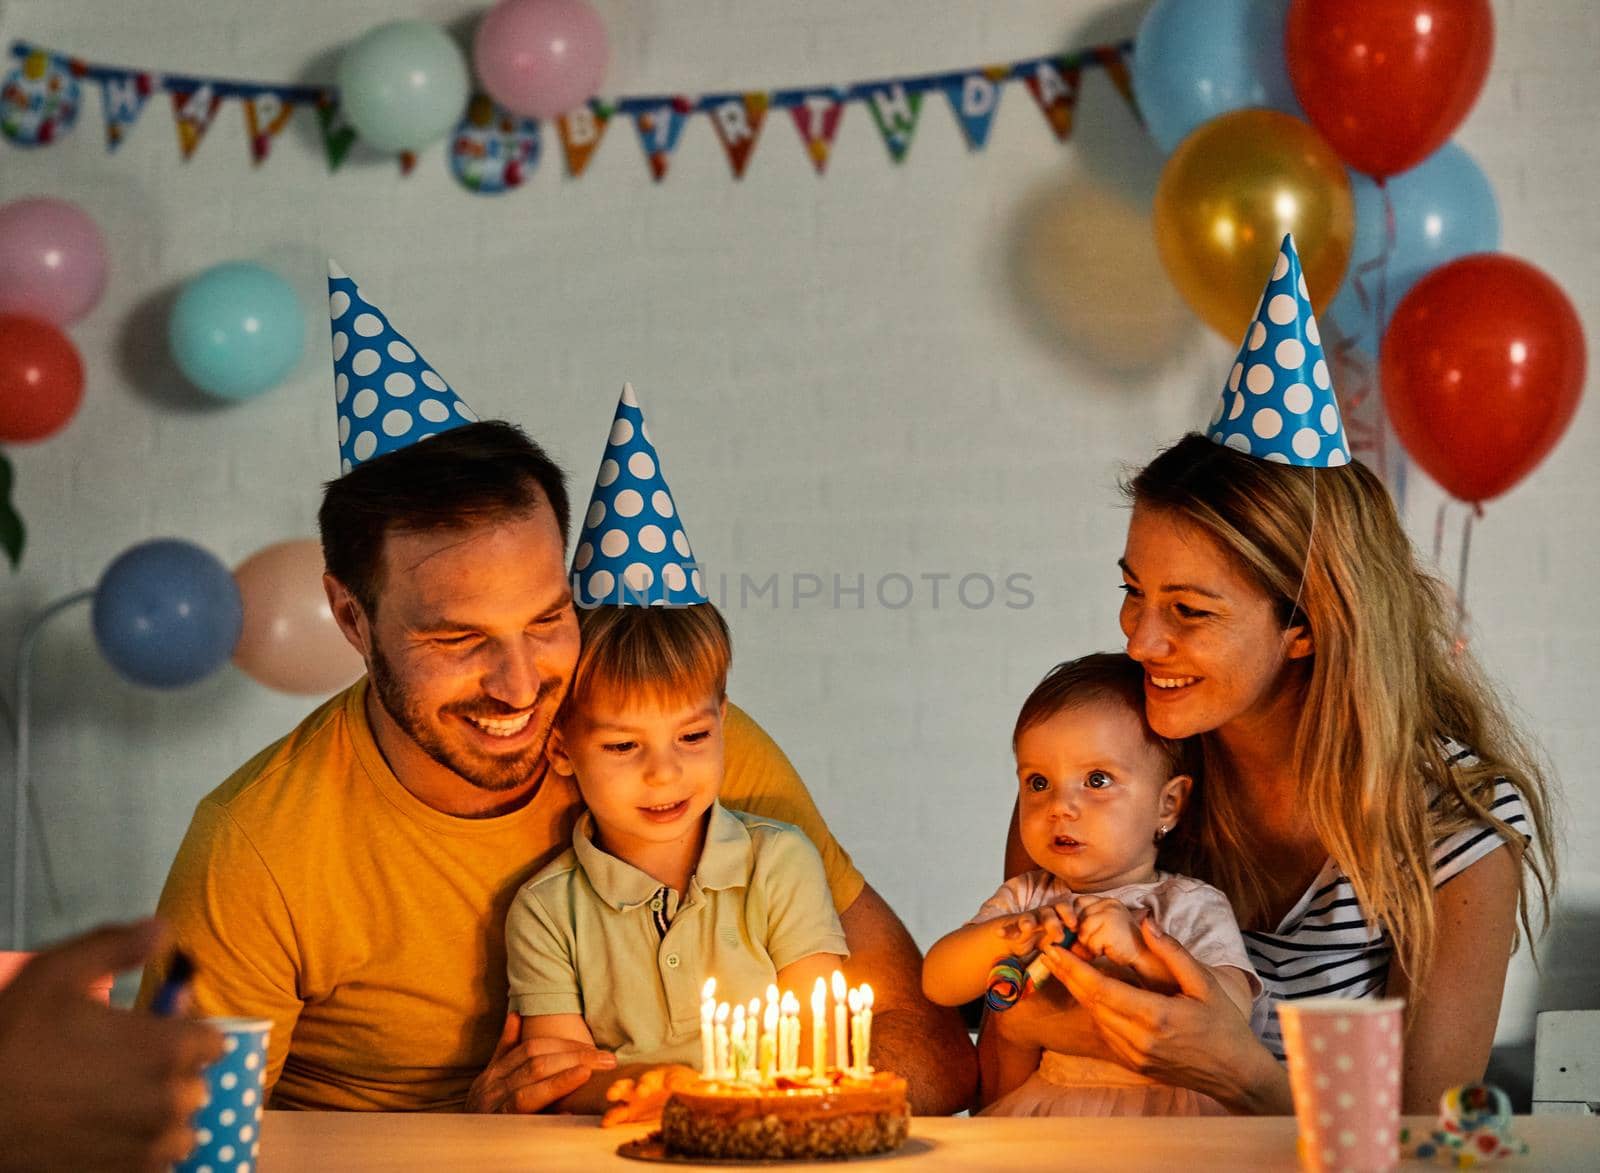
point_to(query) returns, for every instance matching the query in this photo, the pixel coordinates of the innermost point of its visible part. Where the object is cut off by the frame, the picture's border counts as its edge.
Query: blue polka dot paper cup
(228, 1128)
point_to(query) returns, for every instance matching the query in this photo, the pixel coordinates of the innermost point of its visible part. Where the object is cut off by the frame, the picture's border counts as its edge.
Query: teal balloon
(1444, 208)
(403, 85)
(236, 330)
(1196, 59)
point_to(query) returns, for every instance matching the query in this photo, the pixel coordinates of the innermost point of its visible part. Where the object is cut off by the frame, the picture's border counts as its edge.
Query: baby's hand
(1106, 928)
(640, 1101)
(1025, 932)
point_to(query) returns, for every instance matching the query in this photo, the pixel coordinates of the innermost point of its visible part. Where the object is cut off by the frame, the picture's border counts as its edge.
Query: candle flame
(838, 986)
(866, 996)
(738, 1016)
(755, 1007)
(819, 995)
(708, 989)
(772, 1016)
(772, 995)
(791, 1004)
(855, 1001)
(722, 1012)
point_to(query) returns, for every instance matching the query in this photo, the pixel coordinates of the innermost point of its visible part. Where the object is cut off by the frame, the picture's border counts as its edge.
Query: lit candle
(819, 1028)
(708, 1050)
(769, 1042)
(855, 1028)
(865, 1060)
(841, 1040)
(722, 1040)
(789, 1034)
(752, 1036)
(736, 1045)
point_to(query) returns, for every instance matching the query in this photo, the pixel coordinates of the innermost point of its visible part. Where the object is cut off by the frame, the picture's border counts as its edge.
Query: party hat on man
(386, 395)
(1279, 403)
(633, 551)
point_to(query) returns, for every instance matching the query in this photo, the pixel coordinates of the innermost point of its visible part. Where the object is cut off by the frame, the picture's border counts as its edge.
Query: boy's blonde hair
(1384, 688)
(663, 654)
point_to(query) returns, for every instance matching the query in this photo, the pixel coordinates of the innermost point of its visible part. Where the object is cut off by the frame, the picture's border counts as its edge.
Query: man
(351, 882)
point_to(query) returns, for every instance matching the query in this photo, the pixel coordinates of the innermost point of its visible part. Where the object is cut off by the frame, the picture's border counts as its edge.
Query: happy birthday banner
(492, 151)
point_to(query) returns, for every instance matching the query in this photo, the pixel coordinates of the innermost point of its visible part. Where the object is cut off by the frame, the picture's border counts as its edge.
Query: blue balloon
(1444, 208)
(236, 330)
(167, 613)
(1196, 59)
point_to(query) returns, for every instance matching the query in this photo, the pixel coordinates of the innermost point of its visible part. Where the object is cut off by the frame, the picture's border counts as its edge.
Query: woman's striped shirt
(1324, 947)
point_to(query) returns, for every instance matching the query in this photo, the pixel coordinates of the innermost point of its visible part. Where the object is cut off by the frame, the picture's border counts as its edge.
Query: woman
(1365, 803)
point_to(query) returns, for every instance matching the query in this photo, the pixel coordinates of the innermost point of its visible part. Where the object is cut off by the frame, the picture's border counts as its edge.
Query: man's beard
(485, 771)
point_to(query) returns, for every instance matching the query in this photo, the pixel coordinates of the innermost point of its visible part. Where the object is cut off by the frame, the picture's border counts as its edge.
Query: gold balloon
(1226, 197)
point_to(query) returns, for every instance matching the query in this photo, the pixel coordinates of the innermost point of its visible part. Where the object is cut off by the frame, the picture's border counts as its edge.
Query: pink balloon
(540, 58)
(52, 260)
(290, 641)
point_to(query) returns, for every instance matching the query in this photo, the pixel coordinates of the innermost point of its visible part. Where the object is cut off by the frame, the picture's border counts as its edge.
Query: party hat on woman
(633, 551)
(386, 395)
(1279, 403)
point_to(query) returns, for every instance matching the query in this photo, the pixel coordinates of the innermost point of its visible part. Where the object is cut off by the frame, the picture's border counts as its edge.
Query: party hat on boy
(1279, 403)
(633, 551)
(386, 395)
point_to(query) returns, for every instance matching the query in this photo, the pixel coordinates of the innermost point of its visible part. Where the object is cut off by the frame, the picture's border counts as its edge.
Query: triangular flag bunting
(1279, 402)
(975, 97)
(816, 117)
(122, 99)
(193, 110)
(895, 110)
(265, 115)
(660, 126)
(580, 130)
(1054, 85)
(338, 136)
(1114, 60)
(738, 120)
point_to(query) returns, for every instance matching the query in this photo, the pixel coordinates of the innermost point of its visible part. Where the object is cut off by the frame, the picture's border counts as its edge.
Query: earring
(1161, 833)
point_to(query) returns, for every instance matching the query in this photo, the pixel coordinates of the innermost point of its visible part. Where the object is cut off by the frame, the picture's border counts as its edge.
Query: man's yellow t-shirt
(314, 890)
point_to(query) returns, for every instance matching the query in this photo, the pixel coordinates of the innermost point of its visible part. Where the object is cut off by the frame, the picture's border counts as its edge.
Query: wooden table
(378, 1143)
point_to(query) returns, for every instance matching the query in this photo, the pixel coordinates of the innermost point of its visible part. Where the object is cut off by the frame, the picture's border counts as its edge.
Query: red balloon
(1386, 82)
(1482, 365)
(41, 379)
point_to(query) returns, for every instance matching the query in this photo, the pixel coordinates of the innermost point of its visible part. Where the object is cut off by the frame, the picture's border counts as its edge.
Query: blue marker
(179, 974)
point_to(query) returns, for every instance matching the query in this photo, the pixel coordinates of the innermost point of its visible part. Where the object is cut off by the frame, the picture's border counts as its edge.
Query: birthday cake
(847, 1114)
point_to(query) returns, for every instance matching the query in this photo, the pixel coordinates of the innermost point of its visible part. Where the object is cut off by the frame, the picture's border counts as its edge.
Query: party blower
(1015, 978)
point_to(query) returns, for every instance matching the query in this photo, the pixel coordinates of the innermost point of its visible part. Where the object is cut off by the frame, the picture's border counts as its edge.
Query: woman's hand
(1195, 1038)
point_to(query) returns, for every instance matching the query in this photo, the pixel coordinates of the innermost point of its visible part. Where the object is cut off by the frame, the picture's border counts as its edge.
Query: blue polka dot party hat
(633, 551)
(1279, 403)
(386, 394)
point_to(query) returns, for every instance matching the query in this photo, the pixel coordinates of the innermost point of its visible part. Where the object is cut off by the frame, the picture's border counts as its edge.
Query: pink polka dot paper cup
(228, 1128)
(1344, 1071)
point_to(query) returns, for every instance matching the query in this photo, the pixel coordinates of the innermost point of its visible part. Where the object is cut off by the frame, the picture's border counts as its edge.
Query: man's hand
(83, 1086)
(527, 1076)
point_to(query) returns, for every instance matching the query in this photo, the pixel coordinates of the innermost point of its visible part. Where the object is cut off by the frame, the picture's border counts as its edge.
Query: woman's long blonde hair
(1387, 684)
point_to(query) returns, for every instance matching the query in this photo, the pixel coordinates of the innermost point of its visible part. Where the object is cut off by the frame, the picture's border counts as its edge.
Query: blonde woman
(1365, 803)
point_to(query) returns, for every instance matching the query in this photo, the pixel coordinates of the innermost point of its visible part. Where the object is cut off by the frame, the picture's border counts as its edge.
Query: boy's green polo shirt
(593, 935)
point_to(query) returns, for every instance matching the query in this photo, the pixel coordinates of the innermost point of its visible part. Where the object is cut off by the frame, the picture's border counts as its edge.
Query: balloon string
(1391, 460)
(1438, 532)
(1461, 577)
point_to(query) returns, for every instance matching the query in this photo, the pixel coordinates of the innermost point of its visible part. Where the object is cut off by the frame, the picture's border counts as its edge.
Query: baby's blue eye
(1038, 782)
(1097, 780)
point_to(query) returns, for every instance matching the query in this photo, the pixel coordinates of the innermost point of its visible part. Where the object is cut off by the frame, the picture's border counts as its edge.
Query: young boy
(662, 888)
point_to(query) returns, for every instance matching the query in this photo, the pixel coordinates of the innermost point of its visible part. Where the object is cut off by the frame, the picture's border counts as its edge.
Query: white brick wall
(940, 367)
